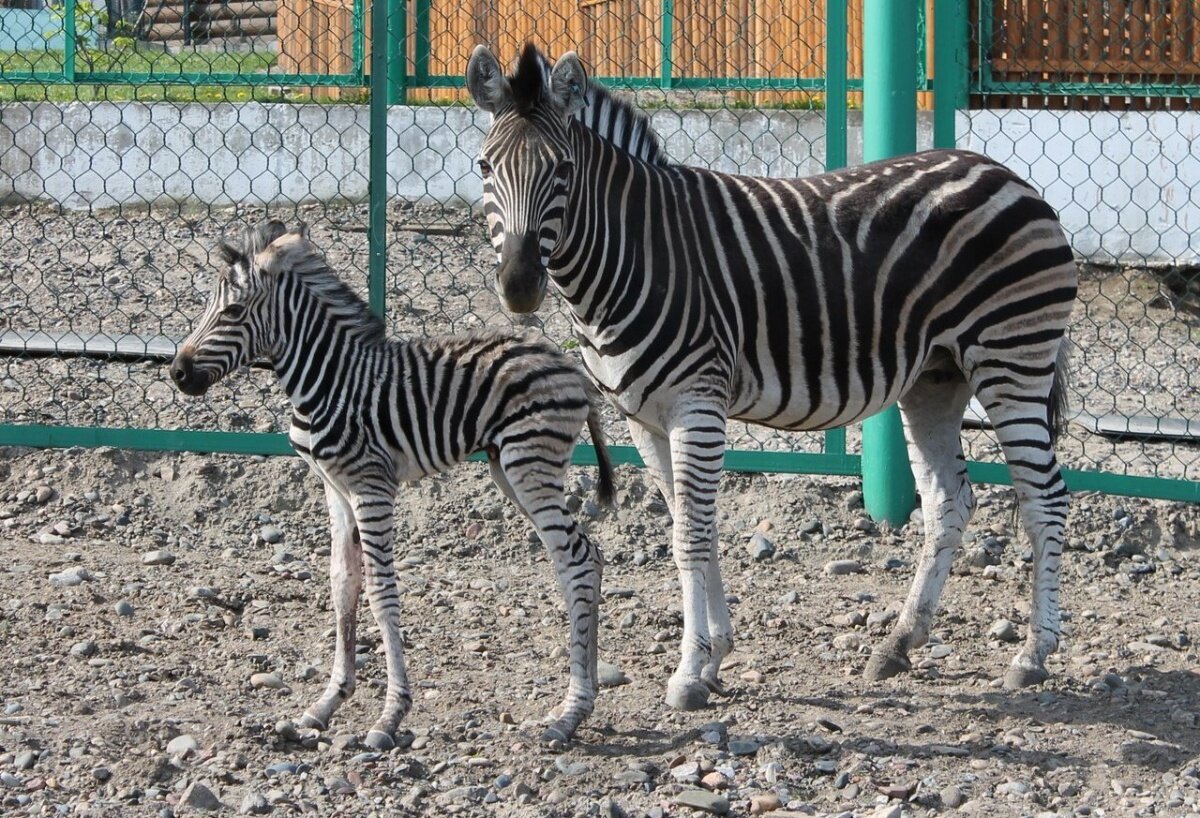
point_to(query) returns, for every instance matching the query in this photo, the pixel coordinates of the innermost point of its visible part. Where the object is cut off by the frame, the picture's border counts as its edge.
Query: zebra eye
(564, 169)
(485, 169)
(234, 311)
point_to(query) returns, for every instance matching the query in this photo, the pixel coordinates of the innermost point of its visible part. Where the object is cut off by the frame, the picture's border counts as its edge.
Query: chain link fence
(132, 138)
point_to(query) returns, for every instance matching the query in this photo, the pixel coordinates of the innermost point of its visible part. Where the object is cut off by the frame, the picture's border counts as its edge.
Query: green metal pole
(69, 40)
(836, 48)
(422, 44)
(950, 42)
(668, 45)
(395, 46)
(889, 129)
(377, 158)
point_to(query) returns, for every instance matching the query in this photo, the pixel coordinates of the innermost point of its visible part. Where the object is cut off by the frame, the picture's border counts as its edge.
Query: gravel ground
(141, 594)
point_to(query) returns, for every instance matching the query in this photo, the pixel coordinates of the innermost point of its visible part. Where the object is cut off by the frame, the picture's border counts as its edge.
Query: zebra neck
(319, 351)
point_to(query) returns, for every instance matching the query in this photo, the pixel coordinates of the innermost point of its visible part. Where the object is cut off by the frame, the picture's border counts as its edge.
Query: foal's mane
(307, 264)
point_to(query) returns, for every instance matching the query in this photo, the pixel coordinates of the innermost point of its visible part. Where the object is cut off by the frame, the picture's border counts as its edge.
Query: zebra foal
(369, 414)
(802, 304)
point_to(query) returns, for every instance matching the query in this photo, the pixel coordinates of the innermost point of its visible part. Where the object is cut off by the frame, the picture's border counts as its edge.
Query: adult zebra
(800, 304)
(369, 414)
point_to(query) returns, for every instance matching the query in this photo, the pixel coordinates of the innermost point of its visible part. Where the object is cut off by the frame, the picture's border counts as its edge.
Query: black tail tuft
(606, 493)
(1057, 409)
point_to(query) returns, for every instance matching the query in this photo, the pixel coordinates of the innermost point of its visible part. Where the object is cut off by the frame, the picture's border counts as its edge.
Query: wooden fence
(1035, 46)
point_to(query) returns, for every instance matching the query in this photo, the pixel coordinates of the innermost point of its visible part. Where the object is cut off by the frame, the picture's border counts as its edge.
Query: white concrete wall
(1127, 185)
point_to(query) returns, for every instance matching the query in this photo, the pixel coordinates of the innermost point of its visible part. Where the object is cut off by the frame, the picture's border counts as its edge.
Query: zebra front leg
(932, 411)
(345, 579)
(374, 515)
(719, 627)
(697, 461)
(537, 488)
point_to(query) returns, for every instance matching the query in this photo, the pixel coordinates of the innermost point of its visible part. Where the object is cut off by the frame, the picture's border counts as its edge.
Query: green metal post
(422, 44)
(889, 129)
(394, 45)
(668, 45)
(950, 40)
(377, 157)
(358, 32)
(69, 40)
(836, 48)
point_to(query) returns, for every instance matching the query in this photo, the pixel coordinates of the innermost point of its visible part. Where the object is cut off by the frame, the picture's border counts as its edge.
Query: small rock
(1004, 630)
(267, 680)
(703, 800)
(200, 797)
(181, 745)
(158, 558)
(754, 677)
(609, 675)
(271, 534)
(889, 811)
(952, 797)
(714, 781)
(84, 649)
(71, 577)
(25, 760)
(123, 608)
(570, 768)
(744, 747)
(632, 777)
(687, 771)
(254, 803)
(940, 651)
(837, 568)
(760, 547)
(767, 802)
(10, 781)
(286, 730)
(101, 773)
(43, 494)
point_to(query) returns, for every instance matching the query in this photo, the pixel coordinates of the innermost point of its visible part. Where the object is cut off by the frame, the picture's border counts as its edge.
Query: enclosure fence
(133, 138)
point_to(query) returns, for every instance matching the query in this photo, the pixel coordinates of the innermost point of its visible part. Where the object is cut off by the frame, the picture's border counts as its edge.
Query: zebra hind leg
(345, 578)
(1018, 402)
(932, 411)
(532, 476)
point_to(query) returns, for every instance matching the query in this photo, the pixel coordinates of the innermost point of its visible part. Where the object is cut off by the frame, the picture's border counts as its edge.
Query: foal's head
(238, 325)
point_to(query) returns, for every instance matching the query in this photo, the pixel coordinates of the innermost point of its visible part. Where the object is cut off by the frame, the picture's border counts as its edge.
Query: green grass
(172, 77)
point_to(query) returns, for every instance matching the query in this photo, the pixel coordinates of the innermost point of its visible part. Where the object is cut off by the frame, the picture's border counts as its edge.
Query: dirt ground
(130, 694)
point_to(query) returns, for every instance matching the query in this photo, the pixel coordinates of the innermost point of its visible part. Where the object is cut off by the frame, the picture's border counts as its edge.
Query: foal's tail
(605, 491)
(1058, 408)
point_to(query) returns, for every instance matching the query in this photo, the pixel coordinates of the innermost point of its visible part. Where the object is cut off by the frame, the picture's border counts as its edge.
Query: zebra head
(527, 163)
(234, 329)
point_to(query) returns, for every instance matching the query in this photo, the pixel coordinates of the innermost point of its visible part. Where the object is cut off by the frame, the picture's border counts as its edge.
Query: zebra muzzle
(187, 378)
(521, 276)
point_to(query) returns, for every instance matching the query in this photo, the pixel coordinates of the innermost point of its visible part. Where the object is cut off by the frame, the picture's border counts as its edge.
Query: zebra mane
(623, 126)
(307, 264)
(612, 119)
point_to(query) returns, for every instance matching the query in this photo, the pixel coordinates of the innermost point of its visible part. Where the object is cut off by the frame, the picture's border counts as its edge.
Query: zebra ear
(568, 85)
(486, 81)
(230, 254)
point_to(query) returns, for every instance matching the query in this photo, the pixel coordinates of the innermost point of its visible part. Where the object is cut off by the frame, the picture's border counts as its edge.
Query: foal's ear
(568, 85)
(301, 230)
(486, 81)
(231, 254)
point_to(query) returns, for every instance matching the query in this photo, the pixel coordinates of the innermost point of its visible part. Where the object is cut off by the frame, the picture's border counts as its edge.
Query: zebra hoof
(311, 722)
(885, 664)
(379, 740)
(1020, 677)
(556, 736)
(691, 694)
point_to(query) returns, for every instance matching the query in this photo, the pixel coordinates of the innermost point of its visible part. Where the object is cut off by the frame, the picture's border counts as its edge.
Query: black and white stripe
(802, 304)
(369, 414)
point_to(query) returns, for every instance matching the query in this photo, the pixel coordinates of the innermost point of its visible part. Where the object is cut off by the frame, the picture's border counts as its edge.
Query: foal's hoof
(1019, 677)
(379, 740)
(310, 722)
(687, 695)
(885, 664)
(556, 737)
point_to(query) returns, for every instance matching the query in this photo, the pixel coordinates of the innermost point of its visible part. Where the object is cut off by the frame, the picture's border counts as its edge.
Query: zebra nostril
(180, 372)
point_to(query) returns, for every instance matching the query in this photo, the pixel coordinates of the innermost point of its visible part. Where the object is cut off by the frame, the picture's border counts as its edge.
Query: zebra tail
(605, 492)
(1058, 408)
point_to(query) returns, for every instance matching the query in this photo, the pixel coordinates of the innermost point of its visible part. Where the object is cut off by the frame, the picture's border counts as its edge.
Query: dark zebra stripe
(371, 413)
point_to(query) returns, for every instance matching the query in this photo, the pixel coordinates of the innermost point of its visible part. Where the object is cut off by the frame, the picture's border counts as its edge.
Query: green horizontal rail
(188, 78)
(246, 443)
(204, 442)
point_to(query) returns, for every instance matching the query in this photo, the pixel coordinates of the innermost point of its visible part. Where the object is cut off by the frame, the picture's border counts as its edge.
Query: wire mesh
(133, 136)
